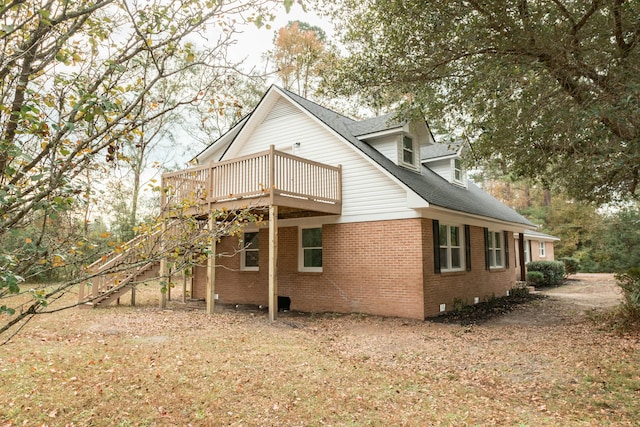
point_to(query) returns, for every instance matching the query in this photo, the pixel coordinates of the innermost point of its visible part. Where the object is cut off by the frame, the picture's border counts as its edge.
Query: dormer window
(408, 152)
(457, 171)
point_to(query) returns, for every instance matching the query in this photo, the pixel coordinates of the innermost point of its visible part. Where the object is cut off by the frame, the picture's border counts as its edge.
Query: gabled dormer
(445, 160)
(399, 141)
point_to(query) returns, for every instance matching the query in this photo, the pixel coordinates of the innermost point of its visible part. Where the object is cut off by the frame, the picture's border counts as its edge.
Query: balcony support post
(273, 262)
(211, 268)
(164, 268)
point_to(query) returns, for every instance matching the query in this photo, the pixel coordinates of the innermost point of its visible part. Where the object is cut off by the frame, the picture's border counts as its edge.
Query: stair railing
(121, 265)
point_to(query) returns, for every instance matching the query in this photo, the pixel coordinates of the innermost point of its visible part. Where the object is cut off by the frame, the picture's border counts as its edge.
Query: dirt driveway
(568, 303)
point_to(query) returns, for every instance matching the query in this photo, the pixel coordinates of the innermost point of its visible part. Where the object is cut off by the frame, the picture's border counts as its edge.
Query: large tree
(77, 83)
(551, 88)
(301, 54)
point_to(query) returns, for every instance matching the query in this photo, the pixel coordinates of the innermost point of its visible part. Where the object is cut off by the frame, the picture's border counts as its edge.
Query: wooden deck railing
(268, 177)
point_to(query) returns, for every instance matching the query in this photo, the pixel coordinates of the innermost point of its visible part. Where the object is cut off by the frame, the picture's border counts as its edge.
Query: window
(451, 257)
(311, 249)
(542, 249)
(250, 254)
(527, 254)
(495, 249)
(457, 170)
(407, 151)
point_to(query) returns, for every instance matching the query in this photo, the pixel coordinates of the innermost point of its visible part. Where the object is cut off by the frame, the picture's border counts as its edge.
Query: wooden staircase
(120, 271)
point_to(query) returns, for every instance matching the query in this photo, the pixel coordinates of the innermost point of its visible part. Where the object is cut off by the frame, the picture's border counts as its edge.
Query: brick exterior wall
(381, 268)
(535, 251)
(369, 267)
(445, 288)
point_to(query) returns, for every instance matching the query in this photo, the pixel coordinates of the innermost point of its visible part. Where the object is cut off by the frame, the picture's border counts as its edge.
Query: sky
(253, 41)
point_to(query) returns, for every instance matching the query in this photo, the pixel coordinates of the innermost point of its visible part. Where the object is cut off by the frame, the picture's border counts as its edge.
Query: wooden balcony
(299, 187)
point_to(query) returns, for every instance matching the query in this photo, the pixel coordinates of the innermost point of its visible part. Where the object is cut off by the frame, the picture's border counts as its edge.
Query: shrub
(535, 278)
(553, 271)
(571, 265)
(520, 291)
(629, 282)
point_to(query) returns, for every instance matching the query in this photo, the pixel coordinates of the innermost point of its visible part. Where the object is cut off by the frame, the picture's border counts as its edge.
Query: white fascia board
(348, 219)
(222, 142)
(219, 144)
(394, 131)
(434, 159)
(414, 201)
(444, 214)
(256, 118)
(545, 238)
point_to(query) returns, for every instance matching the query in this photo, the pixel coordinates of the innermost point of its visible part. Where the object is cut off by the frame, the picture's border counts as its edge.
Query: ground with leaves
(544, 363)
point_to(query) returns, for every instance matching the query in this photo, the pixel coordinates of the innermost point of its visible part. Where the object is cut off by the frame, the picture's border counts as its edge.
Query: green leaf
(287, 5)
(6, 310)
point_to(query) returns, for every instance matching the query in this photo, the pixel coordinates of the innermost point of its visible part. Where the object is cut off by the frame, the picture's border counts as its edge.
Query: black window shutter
(487, 265)
(467, 246)
(506, 249)
(436, 245)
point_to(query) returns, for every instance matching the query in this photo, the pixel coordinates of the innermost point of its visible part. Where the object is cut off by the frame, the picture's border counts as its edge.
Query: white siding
(366, 190)
(442, 168)
(388, 146)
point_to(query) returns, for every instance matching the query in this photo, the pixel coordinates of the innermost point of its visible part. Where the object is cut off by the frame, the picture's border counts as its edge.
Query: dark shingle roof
(429, 185)
(374, 124)
(438, 150)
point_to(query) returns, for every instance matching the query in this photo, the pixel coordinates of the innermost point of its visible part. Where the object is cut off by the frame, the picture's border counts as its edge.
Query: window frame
(412, 151)
(245, 250)
(492, 249)
(457, 168)
(542, 249)
(301, 250)
(449, 248)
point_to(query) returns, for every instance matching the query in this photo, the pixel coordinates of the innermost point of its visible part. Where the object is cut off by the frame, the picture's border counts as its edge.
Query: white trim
(542, 249)
(439, 158)
(449, 215)
(301, 266)
(527, 251)
(415, 152)
(461, 246)
(380, 133)
(492, 250)
(453, 172)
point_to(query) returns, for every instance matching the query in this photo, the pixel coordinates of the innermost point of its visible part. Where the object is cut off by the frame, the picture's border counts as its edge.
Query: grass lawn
(136, 366)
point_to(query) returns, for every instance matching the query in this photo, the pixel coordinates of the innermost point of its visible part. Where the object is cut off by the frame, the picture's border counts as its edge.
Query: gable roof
(427, 184)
